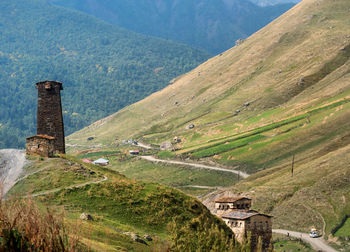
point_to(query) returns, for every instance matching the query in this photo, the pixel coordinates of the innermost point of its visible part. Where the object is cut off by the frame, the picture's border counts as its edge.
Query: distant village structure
(50, 129)
(236, 213)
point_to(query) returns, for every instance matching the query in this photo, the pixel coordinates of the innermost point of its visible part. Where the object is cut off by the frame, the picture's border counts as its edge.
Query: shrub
(24, 228)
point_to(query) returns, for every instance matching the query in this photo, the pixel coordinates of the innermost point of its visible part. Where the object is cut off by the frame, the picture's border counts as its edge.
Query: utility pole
(293, 164)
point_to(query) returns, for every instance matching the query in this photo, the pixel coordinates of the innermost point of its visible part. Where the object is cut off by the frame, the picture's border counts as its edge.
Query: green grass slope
(119, 205)
(103, 68)
(193, 181)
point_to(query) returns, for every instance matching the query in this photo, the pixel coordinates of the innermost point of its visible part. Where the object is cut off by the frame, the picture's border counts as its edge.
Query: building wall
(40, 146)
(49, 114)
(259, 226)
(238, 228)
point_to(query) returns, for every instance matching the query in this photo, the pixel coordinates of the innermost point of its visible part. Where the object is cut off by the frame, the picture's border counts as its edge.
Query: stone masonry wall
(49, 114)
(40, 146)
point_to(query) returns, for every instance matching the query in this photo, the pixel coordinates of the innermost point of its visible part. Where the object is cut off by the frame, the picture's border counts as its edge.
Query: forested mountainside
(210, 25)
(103, 68)
(272, 2)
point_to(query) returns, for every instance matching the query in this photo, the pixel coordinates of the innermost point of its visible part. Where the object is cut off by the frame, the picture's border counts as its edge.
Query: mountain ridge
(213, 26)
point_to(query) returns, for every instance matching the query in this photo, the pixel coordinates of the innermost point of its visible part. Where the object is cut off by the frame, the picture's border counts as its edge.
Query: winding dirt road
(11, 166)
(318, 244)
(200, 166)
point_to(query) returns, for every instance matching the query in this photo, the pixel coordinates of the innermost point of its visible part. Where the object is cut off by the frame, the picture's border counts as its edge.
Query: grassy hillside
(103, 68)
(119, 205)
(294, 74)
(193, 181)
(283, 93)
(213, 26)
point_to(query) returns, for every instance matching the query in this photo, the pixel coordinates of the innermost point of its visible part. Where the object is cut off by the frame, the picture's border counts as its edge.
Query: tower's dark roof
(52, 82)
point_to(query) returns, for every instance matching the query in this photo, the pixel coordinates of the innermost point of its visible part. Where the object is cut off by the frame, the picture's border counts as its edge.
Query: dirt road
(200, 166)
(70, 187)
(318, 244)
(11, 166)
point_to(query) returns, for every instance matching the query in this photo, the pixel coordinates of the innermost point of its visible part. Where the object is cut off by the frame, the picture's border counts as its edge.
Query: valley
(257, 133)
(281, 95)
(212, 26)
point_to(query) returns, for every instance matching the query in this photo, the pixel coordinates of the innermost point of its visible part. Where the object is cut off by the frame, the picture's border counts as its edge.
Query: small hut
(101, 161)
(41, 145)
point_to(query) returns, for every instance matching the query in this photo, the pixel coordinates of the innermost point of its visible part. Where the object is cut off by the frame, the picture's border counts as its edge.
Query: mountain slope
(317, 195)
(210, 25)
(103, 68)
(283, 94)
(284, 69)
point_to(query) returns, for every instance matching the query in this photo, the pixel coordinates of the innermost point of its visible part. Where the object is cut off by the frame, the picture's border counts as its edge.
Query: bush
(24, 228)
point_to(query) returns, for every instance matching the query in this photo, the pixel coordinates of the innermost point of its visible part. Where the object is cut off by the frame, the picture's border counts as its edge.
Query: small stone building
(224, 205)
(236, 213)
(41, 145)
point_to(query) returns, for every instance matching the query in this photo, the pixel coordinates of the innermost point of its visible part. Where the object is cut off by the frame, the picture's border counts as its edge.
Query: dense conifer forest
(103, 68)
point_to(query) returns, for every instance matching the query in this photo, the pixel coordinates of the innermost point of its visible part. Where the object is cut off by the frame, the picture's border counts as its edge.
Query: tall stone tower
(49, 117)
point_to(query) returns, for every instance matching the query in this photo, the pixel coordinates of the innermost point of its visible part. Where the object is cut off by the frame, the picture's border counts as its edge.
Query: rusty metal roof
(231, 199)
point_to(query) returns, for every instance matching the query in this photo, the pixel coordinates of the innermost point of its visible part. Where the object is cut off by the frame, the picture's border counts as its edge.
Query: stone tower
(49, 115)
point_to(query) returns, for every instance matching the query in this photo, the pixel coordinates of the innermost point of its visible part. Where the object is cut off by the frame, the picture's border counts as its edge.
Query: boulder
(86, 217)
(135, 237)
(190, 126)
(147, 237)
(301, 81)
(239, 42)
